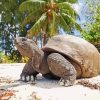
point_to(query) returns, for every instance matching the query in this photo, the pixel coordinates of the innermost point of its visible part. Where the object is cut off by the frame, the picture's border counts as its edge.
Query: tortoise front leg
(61, 67)
(28, 73)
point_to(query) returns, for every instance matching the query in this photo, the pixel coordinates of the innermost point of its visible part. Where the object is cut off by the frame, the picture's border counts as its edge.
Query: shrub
(4, 58)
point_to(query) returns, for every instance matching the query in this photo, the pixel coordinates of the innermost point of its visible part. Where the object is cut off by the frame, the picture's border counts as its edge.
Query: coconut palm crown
(49, 15)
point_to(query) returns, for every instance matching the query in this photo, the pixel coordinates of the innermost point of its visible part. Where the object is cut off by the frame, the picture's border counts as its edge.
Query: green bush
(93, 35)
(24, 59)
(5, 59)
(12, 59)
(92, 31)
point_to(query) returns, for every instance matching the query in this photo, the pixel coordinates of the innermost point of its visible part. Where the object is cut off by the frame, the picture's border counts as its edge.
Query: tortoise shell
(78, 50)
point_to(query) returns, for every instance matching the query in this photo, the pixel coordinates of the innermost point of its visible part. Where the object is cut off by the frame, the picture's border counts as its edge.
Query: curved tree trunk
(42, 38)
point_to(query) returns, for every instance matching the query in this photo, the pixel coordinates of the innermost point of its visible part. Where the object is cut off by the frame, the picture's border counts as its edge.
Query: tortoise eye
(24, 39)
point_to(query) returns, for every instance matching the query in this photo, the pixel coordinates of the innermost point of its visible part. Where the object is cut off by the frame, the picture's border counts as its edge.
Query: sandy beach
(43, 89)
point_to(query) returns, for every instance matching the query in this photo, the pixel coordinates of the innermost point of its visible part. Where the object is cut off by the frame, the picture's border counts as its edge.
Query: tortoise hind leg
(61, 67)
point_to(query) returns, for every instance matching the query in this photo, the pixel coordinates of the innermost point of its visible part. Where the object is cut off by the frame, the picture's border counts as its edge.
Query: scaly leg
(61, 67)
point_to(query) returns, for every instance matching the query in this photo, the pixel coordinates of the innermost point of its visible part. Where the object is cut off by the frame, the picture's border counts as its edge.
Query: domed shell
(78, 50)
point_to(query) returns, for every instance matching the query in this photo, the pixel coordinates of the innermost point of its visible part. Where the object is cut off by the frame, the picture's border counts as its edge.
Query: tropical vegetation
(41, 19)
(48, 16)
(9, 26)
(92, 30)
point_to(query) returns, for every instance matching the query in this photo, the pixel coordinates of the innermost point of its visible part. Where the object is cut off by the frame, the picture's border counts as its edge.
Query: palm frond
(72, 22)
(66, 11)
(65, 6)
(32, 5)
(78, 27)
(38, 25)
(31, 17)
(63, 24)
(70, 1)
(28, 19)
(53, 24)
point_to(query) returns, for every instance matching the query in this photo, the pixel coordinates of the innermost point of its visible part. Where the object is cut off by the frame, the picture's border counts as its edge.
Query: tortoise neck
(37, 57)
(37, 52)
(41, 54)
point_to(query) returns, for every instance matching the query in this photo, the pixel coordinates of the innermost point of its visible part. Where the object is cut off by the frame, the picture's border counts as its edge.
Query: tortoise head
(25, 46)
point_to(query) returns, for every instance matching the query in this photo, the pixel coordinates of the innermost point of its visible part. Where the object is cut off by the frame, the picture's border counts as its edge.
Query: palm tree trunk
(36, 40)
(43, 38)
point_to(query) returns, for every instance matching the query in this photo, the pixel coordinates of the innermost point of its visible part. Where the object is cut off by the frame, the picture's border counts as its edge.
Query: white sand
(43, 89)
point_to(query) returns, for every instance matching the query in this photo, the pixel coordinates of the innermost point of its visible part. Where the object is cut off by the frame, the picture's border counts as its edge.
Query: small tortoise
(64, 57)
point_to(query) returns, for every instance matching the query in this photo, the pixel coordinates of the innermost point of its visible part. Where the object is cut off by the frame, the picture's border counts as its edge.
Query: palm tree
(48, 16)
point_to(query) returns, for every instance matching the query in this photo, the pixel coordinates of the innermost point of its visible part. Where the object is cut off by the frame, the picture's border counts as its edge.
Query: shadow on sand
(41, 82)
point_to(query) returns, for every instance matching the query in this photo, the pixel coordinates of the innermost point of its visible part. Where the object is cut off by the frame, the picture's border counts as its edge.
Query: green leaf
(65, 6)
(72, 22)
(32, 5)
(78, 27)
(70, 1)
(63, 24)
(53, 24)
(32, 17)
(37, 26)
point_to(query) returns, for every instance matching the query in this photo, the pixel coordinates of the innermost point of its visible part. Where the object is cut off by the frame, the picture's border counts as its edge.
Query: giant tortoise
(64, 57)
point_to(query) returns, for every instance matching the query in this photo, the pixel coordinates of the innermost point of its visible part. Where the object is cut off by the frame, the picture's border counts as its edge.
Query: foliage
(5, 37)
(49, 17)
(4, 58)
(24, 59)
(15, 57)
(9, 26)
(93, 35)
(92, 30)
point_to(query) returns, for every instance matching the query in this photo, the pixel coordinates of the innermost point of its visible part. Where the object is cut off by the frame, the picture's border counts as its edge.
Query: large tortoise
(64, 57)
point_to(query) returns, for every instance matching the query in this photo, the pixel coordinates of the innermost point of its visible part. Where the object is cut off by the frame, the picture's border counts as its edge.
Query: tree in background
(48, 16)
(92, 30)
(9, 26)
